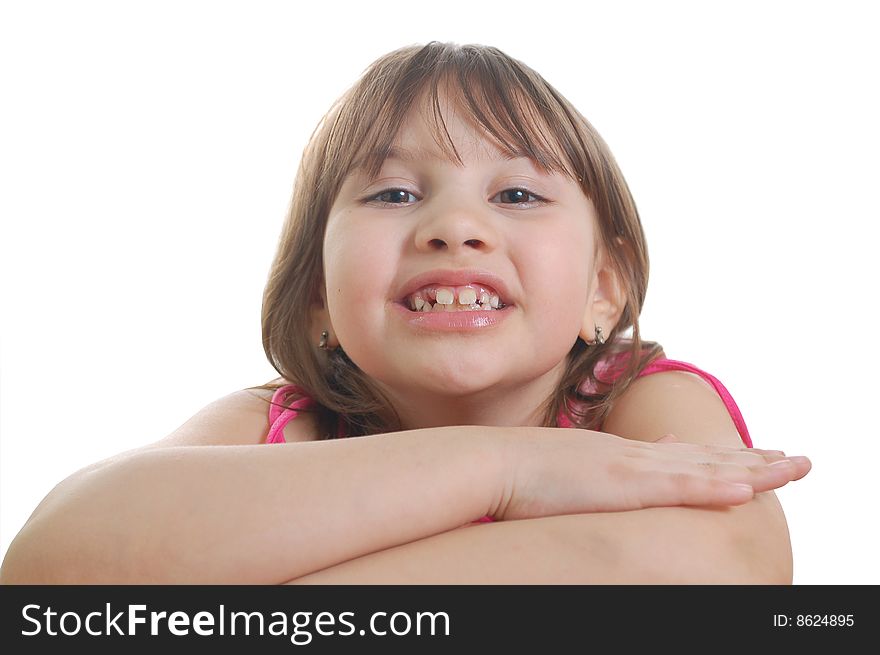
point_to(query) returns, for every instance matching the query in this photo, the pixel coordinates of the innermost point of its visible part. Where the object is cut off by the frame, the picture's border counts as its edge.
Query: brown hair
(524, 115)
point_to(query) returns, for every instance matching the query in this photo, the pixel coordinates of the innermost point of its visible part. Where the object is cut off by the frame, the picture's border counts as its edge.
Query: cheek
(345, 253)
(559, 283)
(358, 270)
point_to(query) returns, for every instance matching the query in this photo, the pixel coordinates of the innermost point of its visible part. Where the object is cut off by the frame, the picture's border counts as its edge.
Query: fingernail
(783, 462)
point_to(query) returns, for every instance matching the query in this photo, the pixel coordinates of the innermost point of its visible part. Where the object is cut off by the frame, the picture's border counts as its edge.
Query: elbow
(768, 569)
(47, 552)
(771, 569)
(743, 545)
(61, 541)
(16, 569)
(25, 560)
(761, 546)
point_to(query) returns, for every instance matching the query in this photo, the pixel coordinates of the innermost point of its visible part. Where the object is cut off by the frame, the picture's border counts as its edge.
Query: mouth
(471, 297)
(455, 290)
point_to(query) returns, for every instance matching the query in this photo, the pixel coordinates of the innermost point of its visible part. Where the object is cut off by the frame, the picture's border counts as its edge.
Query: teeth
(426, 307)
(444, 297)
(467, 296)
(444, 300)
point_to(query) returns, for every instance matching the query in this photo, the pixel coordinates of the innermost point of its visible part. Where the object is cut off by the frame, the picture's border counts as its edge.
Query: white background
(148, 152)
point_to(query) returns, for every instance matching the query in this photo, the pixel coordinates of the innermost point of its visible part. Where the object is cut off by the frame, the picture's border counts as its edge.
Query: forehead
(426, 133)
(445, 131)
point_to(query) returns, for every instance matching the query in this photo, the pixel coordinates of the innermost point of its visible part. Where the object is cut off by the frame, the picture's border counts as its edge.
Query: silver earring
(322, 344)
(599, 338)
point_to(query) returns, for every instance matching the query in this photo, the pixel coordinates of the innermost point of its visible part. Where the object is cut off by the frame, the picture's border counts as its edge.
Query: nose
(462, 226)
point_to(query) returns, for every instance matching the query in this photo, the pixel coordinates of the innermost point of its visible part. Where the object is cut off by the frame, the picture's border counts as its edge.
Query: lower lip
(458, 321)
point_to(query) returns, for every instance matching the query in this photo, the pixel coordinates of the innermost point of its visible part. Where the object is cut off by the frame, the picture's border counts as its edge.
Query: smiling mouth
(442, 298)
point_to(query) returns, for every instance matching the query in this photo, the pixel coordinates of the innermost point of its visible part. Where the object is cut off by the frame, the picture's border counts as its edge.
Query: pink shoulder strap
(279, 417)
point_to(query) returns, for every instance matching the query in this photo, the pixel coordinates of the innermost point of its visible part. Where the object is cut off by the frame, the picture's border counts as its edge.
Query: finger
(712, 482)
(766, 452)
(760, 472)
(773, 475)
(762, 476)
(802, 466)
(709, 452)
(671, 489)
(779, 473)
(743, 458)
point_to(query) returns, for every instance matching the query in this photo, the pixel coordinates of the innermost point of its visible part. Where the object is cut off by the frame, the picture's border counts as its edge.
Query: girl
(453, 310)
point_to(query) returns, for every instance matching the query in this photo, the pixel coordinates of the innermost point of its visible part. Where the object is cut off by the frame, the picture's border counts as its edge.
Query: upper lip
(450, 277)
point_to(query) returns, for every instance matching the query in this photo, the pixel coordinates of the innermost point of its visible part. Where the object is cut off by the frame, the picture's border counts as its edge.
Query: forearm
(253, 514)
(747, 544)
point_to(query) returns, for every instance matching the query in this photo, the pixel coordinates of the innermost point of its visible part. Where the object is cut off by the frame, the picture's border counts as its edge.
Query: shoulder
(238, 418)
(677, 402)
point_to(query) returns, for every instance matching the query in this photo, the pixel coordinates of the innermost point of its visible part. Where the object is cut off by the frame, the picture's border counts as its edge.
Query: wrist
(498, 451)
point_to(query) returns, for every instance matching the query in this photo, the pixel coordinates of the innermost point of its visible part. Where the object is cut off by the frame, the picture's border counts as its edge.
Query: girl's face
(428, 229)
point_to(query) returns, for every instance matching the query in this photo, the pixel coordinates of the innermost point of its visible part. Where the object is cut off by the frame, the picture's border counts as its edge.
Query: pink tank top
(279, 417)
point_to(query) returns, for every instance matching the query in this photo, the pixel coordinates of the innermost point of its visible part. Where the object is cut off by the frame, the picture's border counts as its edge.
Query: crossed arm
(162, 513)
(745, 544)
(661, 545)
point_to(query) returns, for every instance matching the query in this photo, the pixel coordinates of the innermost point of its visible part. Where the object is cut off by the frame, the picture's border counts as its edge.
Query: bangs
(518, 111)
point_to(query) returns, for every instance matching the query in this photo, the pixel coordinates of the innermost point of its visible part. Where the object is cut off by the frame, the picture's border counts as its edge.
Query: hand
(552, 471)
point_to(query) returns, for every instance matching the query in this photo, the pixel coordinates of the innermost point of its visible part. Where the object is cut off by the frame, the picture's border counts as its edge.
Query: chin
(461, 379)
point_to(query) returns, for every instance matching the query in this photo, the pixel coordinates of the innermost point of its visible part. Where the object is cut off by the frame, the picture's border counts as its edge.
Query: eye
(392, 197)
(518, 196)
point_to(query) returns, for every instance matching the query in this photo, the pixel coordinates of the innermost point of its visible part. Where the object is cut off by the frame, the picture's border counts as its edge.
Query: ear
(605, 301)
(320, 319)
